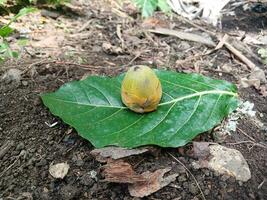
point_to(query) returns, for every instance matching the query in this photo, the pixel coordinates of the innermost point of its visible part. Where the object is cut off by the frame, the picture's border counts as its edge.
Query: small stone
(87, 180)
(78, 160)
(206, 192)
(12, 75)
(24, 83)
(37, 101)
(193, 189)
(20, 146)
(229, 161)
(182, 178)
(59, 170)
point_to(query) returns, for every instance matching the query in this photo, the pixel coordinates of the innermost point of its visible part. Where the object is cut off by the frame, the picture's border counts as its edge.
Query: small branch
(176, 159)
(246, 134)
(233, 50)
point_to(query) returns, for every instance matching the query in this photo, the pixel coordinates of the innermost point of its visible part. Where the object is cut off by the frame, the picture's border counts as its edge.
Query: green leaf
(2, 2)
(191, 104)
(22, 12)
(23, 42)
(5, 31)
(164, 6)
(263, 54)
(147, 6)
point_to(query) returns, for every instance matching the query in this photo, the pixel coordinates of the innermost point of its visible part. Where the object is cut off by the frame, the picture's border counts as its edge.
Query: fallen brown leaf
(121, 172)
(185, 36)
(154, 182)
(154, 23)
(104, 154)
(140, 185)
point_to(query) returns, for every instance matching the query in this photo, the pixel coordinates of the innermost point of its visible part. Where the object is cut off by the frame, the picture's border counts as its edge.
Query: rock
(24, 83)
(193, 188)
(182, 178)
(87, 180)
(229, 161)
(12, 75)
(48, 13)
(59, 170)
(20, 146)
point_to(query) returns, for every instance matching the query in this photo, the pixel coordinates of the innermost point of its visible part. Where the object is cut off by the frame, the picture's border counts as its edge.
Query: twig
(246, 134)
(251, 142)
(10, 166)
(196, 26)
(85, 26)
(203, 196)
(233, 50)
(261, 184)
(35, 63)
(5, 148)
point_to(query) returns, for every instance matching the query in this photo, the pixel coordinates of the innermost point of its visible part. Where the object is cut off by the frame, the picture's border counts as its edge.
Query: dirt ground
(64, 49)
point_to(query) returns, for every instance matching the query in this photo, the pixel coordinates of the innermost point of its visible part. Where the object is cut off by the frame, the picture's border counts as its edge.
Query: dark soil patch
(255, 16)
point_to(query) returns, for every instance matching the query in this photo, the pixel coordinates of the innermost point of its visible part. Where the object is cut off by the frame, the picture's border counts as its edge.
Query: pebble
(182, 178)
(12, 75)
(42, 162)
(87, 180)
(20, 146)
(206, 192)
(24, 83)
(193, 188)
(229, 161)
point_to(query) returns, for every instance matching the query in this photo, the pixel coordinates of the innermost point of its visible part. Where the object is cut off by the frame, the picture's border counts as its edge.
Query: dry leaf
(59, 170)
(121, 172)
(154, 182)
(104, 154)
(154, 23)
(185, 36)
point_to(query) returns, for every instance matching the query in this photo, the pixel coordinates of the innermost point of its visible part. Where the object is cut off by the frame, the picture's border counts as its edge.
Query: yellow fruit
(141, 89)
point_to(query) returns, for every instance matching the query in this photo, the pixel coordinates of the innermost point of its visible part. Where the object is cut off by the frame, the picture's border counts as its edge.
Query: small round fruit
(141, 89)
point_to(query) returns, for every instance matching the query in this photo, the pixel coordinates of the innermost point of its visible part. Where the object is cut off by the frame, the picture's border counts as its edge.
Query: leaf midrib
(219, 92)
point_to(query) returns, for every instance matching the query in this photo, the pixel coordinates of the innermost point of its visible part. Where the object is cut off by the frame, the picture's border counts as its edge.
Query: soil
(31, 145)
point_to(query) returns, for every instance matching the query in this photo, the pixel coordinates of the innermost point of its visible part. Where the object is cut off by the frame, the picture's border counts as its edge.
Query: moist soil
(31, 144)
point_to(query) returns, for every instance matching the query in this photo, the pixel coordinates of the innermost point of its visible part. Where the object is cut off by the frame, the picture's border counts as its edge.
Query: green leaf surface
(5, 31)
(147, 6)
(191, 104)
(164, 6)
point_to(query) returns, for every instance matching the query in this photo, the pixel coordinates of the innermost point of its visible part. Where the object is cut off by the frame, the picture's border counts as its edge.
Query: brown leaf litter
(140, 185)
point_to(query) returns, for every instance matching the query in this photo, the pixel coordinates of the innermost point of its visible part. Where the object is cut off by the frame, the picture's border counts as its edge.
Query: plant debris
(121, 172)
(107, 153)
(140, 185)
(185, 36)
(154, 182)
